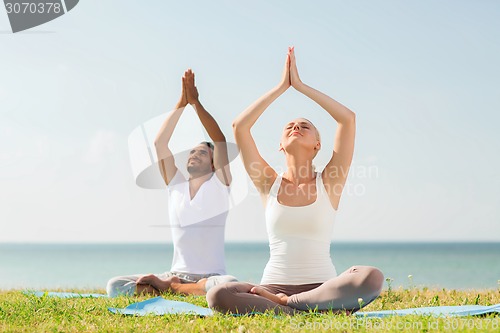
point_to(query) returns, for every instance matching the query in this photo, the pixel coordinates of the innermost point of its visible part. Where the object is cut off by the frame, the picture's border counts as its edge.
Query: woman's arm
(261, 174)
(221, 160)
(336, 171)
(166, 160)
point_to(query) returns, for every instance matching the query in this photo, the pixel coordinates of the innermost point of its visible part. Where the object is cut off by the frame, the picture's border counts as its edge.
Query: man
(198, 208)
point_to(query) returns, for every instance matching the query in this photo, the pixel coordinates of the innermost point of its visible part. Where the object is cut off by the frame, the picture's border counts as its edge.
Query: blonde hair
(318, 136)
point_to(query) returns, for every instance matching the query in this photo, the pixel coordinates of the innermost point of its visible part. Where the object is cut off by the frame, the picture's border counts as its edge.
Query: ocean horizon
(450, 265)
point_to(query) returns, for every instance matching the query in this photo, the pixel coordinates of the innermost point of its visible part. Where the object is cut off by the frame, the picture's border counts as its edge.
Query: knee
(112, 287)
(216, 296)
(222, 297)
(228, 278)
(118, 286)
(218, 280)
(373, 279)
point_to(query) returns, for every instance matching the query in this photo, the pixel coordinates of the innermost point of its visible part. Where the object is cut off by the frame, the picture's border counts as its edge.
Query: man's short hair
(209, 145)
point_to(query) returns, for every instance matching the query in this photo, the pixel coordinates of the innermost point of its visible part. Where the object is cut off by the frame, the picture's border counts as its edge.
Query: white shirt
(198, 225)
(299, 239)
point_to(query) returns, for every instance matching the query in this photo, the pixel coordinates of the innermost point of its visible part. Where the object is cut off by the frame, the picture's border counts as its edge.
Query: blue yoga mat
(161, 306)
(445, 311)
(62, 294)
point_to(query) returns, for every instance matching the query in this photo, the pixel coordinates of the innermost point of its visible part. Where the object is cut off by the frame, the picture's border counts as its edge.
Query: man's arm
(221, 160)
(166, 160)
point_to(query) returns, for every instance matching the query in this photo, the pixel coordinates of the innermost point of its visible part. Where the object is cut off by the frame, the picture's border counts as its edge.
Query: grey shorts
(126, 285)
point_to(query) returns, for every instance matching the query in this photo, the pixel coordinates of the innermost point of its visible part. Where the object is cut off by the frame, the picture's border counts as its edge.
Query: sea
(461, 266)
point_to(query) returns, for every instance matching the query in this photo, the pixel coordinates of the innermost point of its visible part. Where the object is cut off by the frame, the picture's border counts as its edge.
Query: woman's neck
(299, 170)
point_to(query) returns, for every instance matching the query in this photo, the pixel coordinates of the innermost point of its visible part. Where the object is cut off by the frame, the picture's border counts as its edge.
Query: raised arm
(166, 160)
(221, 160)
(337, 169)
(261, 174)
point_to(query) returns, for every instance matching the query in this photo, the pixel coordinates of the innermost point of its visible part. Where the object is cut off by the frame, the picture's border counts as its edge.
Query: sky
(422, 77)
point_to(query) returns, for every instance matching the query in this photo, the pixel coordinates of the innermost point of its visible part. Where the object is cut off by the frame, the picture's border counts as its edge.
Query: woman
(301, 205)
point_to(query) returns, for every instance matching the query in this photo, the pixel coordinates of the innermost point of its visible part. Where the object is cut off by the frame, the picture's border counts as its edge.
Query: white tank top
(299, 239)
(198, 225)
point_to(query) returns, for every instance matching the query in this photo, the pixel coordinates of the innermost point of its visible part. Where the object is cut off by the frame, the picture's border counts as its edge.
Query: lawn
(28, 313)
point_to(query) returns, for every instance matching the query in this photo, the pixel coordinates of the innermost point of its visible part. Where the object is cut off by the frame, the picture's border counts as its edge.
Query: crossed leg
(340, 293)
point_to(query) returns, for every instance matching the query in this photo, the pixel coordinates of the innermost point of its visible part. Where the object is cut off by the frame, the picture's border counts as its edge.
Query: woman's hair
(318, 136)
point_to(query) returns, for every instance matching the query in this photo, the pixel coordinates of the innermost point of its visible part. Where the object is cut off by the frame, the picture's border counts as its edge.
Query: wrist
(195, 102)
(180, 104)
(281, 88)
(299, 86)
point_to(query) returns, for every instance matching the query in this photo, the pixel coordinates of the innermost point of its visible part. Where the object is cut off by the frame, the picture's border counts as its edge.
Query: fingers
(264, 293)
(287, 61)
(189, 75)
(288, 64)
(294, 73)
(190, 87)
(285, 78)
(183, 85)
(291, 52)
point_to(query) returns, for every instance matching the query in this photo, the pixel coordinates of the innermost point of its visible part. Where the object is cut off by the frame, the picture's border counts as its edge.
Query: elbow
(240, 124)
(220, 139)
(159, 141)
(236, 125)
(351, 118)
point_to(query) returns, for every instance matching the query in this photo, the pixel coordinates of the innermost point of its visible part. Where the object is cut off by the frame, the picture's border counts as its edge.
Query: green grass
(23, 313)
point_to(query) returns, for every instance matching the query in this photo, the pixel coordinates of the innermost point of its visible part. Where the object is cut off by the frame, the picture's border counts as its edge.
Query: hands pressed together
(290, 78)
(290, 75)
(189, 94)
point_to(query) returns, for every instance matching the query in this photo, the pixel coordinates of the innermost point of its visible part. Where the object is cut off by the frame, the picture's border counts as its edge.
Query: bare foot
(168, 283)
(278, 298)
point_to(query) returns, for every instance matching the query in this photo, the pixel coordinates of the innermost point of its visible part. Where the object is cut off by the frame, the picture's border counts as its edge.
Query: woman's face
(300, 132)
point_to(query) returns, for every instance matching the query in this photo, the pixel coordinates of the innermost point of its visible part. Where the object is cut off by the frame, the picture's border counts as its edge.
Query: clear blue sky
(422, 77)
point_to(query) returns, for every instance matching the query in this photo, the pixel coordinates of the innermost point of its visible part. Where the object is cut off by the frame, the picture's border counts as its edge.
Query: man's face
(200, 160)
